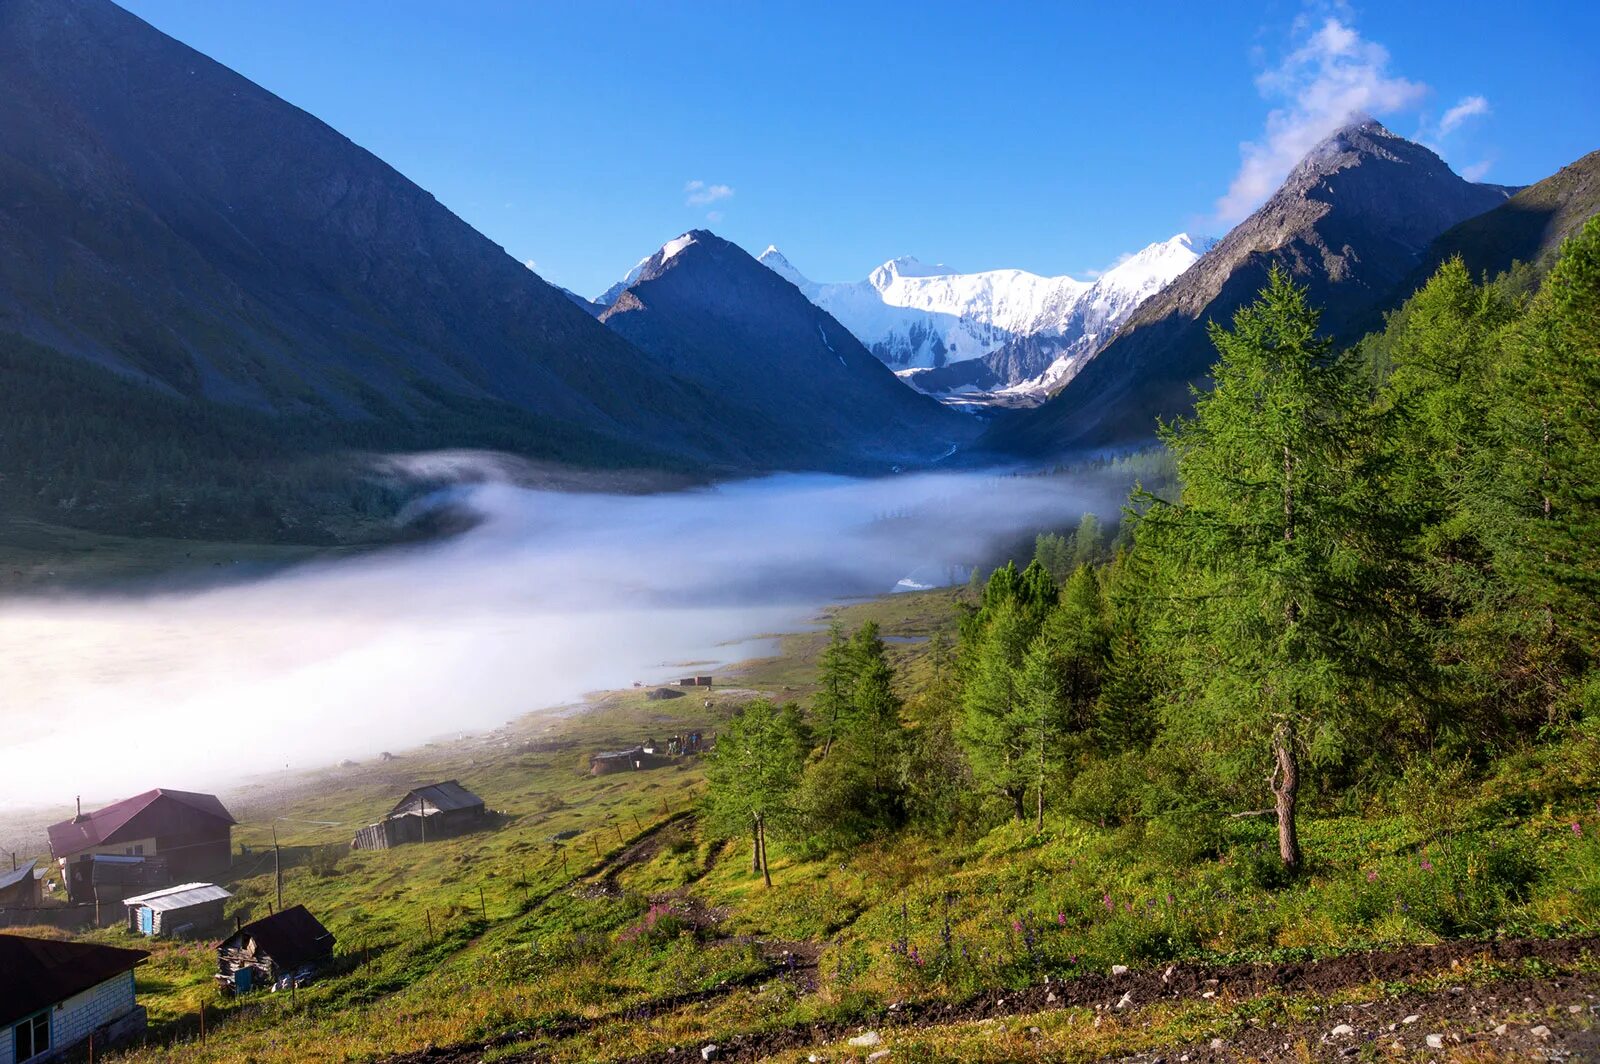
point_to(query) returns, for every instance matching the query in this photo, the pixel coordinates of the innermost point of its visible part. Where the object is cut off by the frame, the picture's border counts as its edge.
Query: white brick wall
(93, 1008)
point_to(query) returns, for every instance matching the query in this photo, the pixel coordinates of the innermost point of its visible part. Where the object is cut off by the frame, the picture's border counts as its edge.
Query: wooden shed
(19, 888)
(435, 811)
(190, 909)
(606, 762)
(282, 949)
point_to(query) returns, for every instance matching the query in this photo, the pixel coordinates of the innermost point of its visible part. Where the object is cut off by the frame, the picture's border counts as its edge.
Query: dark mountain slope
(169, 220)
(707, 311)
(1351, 221)
(1529, 227)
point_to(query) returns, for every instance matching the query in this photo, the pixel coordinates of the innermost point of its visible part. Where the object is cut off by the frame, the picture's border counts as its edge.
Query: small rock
(1500, 1029)
(1574, 1009)
(1413, 1018)
(871, 1038)
(1217, 1043)
(1540, 1031)
(1119, 969)
(1033, 1030)
(708, 1052)
(882, 1054)
(1342, 1030)
(1436, 1041)
(1166, 976)
(1050, 996)
(1209, 994)
(1127, 1000)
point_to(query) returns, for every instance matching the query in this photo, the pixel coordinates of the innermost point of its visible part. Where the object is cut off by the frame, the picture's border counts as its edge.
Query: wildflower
(1016, 925)
(1169, 898)
(1427, 865)
(1372, 877)
(1577, 829)
(1110, 905)
(1061, 919)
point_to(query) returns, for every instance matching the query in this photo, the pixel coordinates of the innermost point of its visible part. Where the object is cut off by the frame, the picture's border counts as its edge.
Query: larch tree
(1269, 547)
(752, 773)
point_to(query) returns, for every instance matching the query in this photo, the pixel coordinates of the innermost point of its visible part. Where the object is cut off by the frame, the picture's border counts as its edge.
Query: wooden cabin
(55, 995)
(174, 912)
(436, 811)
(192, 833)
(606, 762)
(20, 889)
(282, 949)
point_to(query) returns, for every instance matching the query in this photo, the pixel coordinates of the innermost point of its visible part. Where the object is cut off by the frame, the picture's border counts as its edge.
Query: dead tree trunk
(755, 844)
(1286, 792)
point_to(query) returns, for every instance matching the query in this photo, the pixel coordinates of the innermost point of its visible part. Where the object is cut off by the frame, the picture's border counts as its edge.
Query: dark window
(31, 1037)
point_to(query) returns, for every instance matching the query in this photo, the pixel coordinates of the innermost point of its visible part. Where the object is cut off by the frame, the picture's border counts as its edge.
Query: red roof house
(191, 832)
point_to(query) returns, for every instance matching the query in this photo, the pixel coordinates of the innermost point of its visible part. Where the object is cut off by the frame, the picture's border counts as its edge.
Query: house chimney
(78, 818)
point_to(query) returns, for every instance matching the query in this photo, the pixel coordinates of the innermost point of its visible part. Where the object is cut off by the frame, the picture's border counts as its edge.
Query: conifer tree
(752, 772)
(1273, 610)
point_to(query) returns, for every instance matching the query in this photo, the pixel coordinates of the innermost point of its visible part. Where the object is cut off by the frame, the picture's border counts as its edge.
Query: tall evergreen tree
(1271, 543)
(1552, 433)
(752, 773)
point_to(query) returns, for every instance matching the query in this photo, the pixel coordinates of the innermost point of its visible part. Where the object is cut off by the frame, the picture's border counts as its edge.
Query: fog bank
(551, 595)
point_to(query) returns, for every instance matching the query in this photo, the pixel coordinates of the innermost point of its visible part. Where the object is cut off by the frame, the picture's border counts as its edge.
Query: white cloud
(1332, 76)
(530, 264)
(1469, 107)
(701, 194)
(1477, 171)
(714, 216)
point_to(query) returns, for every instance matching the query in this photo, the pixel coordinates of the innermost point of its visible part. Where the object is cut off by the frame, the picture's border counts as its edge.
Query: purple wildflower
(1577, 829)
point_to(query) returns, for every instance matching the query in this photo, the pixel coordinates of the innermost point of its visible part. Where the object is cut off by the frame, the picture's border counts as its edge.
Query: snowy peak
(1154, 267)
(904, 267)
(773, 260)
(915, 316)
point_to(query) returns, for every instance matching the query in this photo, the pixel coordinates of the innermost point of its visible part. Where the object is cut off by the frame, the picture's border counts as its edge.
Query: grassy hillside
(642, 932)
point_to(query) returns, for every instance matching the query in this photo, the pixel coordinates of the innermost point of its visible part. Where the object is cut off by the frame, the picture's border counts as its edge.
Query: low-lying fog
(552, 595)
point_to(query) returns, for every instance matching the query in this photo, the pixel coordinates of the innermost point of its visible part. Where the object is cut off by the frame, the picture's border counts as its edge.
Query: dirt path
(1174, 982)
(1464, 1018)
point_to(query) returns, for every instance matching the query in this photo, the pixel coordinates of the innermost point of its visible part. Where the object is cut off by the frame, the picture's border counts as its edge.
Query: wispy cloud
(703, 194)
(714, 216)
(1477, 171)
(1434, 134)
(1331, 76)
(530, 264)
(1470, 107)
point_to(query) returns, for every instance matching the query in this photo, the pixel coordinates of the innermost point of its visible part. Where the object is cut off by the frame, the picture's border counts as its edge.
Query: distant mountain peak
(774, 260)
(905, 266)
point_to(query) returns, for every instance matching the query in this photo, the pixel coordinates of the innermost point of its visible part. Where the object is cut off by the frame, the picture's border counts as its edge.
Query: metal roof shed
(191, 907)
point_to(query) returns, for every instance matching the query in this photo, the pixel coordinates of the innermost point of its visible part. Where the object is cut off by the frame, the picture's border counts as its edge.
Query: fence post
(483, 907)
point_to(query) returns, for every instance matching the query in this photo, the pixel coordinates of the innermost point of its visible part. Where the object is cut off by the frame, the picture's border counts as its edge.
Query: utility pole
(277, 866)
(422, 819)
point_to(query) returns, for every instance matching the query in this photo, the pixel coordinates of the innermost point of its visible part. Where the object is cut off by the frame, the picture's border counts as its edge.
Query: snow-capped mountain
(914, 316)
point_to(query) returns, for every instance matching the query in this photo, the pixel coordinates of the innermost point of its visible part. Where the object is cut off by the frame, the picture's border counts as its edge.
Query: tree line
(1371, 559)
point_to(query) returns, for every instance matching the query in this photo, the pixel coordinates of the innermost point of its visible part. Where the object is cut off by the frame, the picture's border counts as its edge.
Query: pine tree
(1273, 611)
(1551, 428)
(752, 772)
(994, 729)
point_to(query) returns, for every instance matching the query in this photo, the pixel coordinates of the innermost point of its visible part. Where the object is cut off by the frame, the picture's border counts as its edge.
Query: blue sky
(1051, 136)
